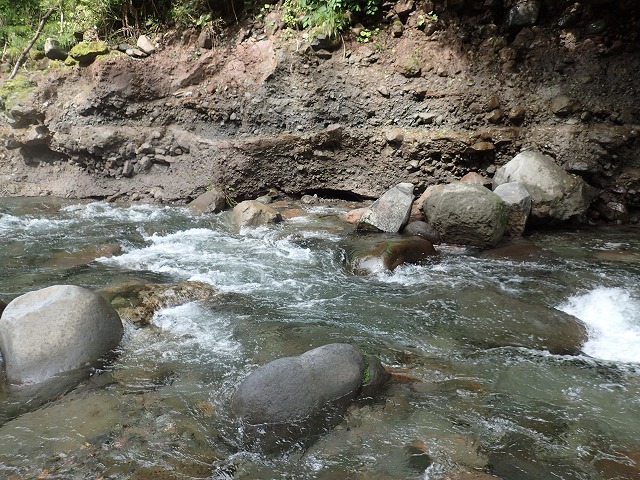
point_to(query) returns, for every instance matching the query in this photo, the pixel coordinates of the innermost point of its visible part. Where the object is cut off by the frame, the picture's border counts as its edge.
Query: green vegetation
(104, 19)
(327, 17)
(365, 35)
(12, 90)
(70, 21)
(366, 373)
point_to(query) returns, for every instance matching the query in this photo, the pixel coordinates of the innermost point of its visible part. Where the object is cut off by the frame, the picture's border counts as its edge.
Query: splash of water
(613, 318)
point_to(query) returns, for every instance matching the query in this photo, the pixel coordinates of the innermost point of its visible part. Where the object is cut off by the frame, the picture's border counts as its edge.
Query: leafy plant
(366, 35)
(327, 17)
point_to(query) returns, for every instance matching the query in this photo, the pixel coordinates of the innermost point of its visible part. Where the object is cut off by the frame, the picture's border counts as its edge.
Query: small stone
(384, 91)
(495, 116)
(127, 169)
(409, 66)
(397, 28)
(482, 147)
(136, 53)
(563, 105)
(522, 14)
(205, 40)
(426, 118)
(145, 45)
(146, 148)
(404, 7)
(394, 136)
(516, 114)
(493, 102)
(53, 51)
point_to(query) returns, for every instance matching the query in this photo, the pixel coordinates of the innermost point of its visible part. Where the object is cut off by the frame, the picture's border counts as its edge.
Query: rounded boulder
(295, 396)
(466, 214)
(54, 330)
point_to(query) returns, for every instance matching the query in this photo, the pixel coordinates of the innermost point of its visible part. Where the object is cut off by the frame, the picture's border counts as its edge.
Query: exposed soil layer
(264, 110)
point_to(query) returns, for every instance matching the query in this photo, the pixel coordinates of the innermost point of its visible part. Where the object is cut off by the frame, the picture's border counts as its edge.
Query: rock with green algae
(86, 52)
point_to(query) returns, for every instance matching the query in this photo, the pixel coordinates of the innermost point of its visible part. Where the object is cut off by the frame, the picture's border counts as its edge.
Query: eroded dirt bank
(264, 110)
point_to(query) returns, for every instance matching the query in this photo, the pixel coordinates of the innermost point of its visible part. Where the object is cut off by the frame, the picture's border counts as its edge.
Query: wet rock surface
(371, 255)
(291, 395)
(54, 330)
(466, 214)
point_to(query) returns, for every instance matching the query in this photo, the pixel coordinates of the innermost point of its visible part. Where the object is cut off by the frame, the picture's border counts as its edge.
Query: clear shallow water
(160, 410)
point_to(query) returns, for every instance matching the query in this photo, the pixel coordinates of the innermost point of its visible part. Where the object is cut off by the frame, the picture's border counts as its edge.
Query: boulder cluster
(49, 333)
(529, 189)
(86, 51)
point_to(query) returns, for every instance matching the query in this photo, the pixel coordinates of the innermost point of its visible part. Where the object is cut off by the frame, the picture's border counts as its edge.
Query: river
(160, 409)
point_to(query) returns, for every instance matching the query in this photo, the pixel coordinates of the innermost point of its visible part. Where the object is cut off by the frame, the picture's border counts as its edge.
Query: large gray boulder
(251, 213)
(465, 213)
(55, 330)
(295, 396)
(389, 213)
(556, 195)
(518, 201)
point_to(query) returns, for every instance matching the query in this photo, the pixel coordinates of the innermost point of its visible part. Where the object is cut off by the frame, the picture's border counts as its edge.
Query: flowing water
(160, 409)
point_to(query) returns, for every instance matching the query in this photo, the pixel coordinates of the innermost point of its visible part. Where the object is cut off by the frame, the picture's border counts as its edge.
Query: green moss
(36, 54)
(86, 52)
(70, 62)
(366, 374)
(12, 90)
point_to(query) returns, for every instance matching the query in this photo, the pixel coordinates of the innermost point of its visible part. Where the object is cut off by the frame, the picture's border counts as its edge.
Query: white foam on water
(612, 316)
(134, 213)
(231, 263)
(194, 325)
(17, 226)
(177, 253)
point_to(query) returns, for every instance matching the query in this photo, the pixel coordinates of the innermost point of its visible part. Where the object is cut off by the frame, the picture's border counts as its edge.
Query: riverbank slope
(263, 109)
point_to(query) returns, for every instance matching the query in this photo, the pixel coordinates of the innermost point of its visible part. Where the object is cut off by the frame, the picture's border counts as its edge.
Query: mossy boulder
(86, 52)
(466, 214)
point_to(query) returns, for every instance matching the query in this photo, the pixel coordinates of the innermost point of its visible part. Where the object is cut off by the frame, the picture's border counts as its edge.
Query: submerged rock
(138, 302)
(298, 396)
(54, 330)
(251, 213)
(555, 194)
(389, 254)
(389, 213)
(490, 320)
(85, 256)
(466, 214)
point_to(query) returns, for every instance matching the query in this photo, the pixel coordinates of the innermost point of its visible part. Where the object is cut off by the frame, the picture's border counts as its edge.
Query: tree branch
(25, 52)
